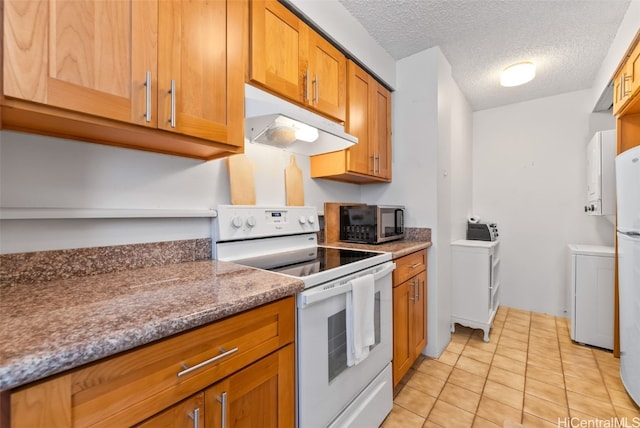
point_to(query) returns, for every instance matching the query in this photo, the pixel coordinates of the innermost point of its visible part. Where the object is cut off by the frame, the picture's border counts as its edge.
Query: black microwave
(371, 224)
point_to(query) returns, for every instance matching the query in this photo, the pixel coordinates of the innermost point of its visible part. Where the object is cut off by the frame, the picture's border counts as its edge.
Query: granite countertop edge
(396, 248)
(36, 362)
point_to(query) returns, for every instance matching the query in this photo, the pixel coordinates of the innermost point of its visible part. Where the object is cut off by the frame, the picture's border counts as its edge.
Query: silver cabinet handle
(418, 288)
(223, 414)
(316, 93)
(172, 91)
(373, 164)
(147, 84)
(415, 265)
(196, 417)
(413, 284)
(378, 164)
(624, 85)
(223, 353)
(306, 85)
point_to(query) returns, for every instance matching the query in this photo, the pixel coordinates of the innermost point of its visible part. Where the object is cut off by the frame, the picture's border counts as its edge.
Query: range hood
(273, 121)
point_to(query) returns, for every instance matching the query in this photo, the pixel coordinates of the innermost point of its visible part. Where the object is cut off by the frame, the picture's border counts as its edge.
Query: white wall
(37, 172)
(529, 176)
(431, 171)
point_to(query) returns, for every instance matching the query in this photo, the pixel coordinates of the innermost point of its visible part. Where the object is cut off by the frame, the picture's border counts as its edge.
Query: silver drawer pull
(415, 265)
(223, 353)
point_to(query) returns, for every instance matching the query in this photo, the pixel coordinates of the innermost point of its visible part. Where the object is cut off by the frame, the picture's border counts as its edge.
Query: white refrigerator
(628, 200)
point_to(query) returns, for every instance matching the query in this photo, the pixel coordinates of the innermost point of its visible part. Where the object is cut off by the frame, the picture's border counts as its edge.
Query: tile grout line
(447, 381)
(526, 368)
(564, 381)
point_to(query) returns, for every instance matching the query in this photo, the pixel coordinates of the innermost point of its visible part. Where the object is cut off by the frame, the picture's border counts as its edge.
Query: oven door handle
(318, 294)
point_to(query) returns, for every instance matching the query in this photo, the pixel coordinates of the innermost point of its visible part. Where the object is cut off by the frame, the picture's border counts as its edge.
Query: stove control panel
(250, 221)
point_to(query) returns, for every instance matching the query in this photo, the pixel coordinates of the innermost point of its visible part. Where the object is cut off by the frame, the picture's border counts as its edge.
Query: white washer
(592, 270)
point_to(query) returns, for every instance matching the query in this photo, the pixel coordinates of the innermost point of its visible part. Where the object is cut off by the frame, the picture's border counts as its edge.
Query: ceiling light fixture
(518, 74)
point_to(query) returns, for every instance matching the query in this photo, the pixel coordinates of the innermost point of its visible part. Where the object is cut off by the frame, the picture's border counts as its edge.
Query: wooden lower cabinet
(186, 414)
(248, 359)
(261, 395)
(409, 312)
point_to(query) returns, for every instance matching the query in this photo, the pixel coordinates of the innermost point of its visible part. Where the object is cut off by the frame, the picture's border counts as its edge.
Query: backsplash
(417, 234)
(20, 268)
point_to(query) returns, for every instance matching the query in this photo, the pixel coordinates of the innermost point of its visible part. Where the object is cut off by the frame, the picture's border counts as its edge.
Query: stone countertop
(396, 248)
(50, 327)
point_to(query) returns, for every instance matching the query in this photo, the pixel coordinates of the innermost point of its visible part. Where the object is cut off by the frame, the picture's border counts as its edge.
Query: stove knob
(236, 222)
(302, 219)
(251, 221)
(311, 219)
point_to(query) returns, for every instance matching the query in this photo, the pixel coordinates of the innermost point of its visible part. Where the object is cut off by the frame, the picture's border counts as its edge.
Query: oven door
(326, 385)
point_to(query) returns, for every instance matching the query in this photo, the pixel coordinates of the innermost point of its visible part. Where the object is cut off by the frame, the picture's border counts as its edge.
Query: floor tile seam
(595, 398)
(484, 385)
(486, 377)
(526, 368)
(411, 411)
(445, 384)
(564, 381)
(604, 383)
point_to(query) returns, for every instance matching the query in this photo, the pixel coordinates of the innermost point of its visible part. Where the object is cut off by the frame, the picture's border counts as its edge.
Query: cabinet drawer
(130, 387)
(408, 266)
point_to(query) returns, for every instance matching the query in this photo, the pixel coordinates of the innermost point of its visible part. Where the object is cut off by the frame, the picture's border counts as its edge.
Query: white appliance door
(628, 190)
(325, 384)
(629, 289)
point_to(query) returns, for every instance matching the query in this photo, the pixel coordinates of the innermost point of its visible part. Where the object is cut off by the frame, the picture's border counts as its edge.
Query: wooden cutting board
(293, 183)
(243, 190)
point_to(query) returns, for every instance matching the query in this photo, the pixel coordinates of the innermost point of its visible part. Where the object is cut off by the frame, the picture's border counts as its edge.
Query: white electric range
(330, 392)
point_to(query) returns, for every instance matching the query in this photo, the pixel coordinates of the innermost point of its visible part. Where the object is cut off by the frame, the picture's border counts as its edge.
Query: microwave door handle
(399, 221)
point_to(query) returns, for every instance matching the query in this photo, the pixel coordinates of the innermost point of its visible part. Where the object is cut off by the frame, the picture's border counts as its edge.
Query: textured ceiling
(566, 39)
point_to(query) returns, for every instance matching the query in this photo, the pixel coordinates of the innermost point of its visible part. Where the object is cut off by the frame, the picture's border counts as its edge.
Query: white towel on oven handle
(360, 319)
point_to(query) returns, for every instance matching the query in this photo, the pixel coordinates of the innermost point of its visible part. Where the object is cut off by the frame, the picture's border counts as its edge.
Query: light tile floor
(529, 373)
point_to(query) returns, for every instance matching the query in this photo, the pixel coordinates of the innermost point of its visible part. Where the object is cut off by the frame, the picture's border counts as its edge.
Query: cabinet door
(328, 68)
(261, 395)
(358, 116)
(200, 84)
(402, 319)
(381, 131)
(419, 315)
(277, 40)
(82, 55)
(186, 414)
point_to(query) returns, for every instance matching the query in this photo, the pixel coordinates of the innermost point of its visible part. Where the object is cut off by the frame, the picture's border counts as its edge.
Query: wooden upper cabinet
(276, 39)
(327, 76)
(626, 82)
(291, 59)
(381, 132)
(200, 82)
(83, 56)
(359, 114)
(103, 71)
(369, 119)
